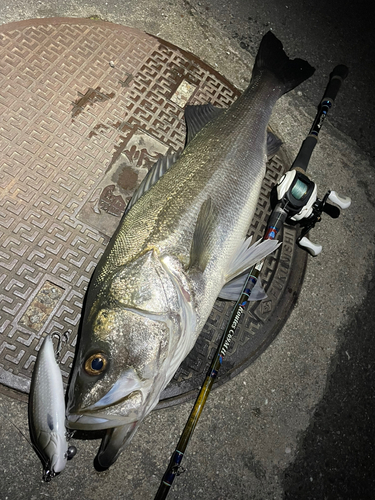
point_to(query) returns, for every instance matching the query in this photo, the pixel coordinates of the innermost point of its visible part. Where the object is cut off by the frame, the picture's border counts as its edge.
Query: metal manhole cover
(86, 108)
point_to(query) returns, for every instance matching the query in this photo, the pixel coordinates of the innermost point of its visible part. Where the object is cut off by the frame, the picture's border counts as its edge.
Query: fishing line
(299, 190)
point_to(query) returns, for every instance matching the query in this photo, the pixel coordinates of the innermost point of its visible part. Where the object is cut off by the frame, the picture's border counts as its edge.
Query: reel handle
(312, 248)
(341, 201)
(320, 206)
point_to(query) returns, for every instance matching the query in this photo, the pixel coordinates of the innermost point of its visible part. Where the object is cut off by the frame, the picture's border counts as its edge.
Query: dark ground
(336, 457)
(336, 453)
(326, 33)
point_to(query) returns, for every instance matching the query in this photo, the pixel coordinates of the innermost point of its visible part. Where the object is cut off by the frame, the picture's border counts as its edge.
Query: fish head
(128, 350)
(113, 376)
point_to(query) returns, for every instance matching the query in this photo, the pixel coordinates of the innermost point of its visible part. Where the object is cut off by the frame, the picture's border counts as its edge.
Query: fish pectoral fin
(273, 144)
(156, 171)
(196, 117)
(113, 443)
(233, 289)
(203, 236)
(246, 256)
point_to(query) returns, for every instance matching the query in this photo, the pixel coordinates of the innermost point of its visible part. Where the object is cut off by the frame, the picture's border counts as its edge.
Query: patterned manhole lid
(86, 108)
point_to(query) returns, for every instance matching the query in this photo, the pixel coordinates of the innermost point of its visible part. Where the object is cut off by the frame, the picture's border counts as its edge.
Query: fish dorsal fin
(233, 289)
(156, 171)
(202, 238)
(196, 117)
(246, 256)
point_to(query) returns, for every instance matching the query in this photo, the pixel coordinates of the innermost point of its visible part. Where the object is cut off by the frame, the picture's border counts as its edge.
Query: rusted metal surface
(86, 108)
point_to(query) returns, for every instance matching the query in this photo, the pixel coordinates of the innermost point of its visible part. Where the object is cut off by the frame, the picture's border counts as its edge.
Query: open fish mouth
(118, 434)
(114, 409)
(90, 422)
(113, 443)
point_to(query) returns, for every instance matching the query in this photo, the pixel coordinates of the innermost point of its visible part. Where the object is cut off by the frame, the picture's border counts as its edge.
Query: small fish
(47, 412)
(180, 245)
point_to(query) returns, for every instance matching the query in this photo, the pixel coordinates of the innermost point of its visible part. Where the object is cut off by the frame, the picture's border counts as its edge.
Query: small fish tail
(271, 58)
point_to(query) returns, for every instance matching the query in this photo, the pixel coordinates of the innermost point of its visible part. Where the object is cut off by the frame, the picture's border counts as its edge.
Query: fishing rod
(296, 192)
(296, 201)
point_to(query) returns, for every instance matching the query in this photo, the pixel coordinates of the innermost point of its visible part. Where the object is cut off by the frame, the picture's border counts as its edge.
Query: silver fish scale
(226, 162)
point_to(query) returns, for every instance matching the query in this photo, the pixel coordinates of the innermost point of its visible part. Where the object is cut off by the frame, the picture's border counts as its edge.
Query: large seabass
(179, 244)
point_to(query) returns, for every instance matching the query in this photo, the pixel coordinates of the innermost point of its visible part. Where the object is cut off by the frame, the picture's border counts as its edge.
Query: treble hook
(60, 338)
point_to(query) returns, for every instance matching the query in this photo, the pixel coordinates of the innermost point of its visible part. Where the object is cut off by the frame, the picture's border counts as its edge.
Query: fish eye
(96, 364)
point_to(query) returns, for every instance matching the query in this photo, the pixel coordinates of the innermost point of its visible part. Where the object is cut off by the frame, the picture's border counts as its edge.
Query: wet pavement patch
(87, 107)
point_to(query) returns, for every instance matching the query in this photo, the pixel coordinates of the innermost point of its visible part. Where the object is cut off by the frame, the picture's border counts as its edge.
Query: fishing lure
(47, 412)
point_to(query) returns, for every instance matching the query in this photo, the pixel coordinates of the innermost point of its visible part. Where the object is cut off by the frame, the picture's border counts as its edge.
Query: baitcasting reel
(297, 201)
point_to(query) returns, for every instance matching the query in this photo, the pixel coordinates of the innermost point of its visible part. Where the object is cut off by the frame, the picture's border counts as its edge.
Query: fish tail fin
(271, 58)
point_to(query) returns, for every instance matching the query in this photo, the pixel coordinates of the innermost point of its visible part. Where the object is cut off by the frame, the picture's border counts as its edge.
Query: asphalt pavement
(299, 422)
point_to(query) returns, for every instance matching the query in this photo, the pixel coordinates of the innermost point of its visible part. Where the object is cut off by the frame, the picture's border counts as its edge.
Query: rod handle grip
(162, 492)
(336, 78)
(304, 154)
